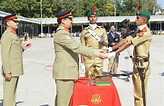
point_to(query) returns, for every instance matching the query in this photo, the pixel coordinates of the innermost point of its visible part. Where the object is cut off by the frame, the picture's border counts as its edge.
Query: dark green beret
(144, 13)
(90, 13)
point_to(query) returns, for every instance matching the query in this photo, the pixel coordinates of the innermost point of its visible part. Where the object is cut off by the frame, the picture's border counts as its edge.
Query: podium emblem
(96, 98)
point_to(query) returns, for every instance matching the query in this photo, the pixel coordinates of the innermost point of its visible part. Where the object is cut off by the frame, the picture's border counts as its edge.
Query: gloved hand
(82, 67)
(112, 54)
(108, 49)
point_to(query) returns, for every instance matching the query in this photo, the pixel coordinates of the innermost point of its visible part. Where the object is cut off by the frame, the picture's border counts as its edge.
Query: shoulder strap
(58, 30)
(94, 35)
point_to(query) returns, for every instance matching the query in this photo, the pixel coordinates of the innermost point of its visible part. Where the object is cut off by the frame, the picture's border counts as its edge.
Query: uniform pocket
(17, 42)
(69, 65)
(16, 45)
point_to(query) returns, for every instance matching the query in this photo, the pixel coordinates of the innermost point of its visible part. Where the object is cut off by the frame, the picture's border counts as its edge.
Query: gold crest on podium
(96, 99)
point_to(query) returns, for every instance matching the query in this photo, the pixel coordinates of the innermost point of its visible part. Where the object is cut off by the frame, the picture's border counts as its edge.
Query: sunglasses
(70, 18)
(137, 18)
(15, 21)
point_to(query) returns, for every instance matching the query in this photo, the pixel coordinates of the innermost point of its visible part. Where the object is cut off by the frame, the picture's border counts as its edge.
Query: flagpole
(41, 17)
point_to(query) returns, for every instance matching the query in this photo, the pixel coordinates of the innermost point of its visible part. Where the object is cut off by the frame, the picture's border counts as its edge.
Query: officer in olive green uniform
(93, 36)
(12, 65)
(65, 67)
(141, 42)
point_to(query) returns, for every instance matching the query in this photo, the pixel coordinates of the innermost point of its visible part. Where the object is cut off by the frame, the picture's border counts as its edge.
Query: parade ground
(37, 88)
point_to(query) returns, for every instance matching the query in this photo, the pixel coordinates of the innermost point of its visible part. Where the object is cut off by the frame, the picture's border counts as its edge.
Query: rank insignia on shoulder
(58, 30)
(99, 26)
(144, 29)
(141, 33)
(85, 28)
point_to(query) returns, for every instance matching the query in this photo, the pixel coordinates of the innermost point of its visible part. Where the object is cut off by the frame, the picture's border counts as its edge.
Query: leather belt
(146, 59)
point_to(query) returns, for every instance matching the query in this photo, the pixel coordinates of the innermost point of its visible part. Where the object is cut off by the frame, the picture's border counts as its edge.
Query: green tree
(27, 8)
(80, 8)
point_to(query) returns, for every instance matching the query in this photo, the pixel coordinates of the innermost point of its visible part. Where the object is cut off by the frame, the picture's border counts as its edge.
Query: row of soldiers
(94, 43)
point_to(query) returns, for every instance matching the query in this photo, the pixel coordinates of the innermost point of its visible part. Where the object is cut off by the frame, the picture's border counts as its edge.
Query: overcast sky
(161, 3)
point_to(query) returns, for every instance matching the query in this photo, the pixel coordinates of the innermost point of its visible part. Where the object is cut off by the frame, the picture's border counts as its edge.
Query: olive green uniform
(93, 66)
(141, 42)
(11, 51)
(65, 67)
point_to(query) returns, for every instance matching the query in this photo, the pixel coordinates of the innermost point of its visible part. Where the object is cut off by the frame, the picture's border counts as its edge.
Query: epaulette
(85, 28)
(58, 30)
(86, 32)
(144, 29)
(100, 27)
(141, 33)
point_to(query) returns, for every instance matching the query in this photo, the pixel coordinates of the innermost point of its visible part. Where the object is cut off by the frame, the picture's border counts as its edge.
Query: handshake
(104, 55)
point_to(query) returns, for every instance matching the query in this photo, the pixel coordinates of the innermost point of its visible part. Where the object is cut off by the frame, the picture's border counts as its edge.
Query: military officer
(141, 42)
(12, 65)
(65, 67)
(93, 36)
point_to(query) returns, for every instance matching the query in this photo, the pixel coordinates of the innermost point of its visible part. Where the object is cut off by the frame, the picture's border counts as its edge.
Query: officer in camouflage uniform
(93, 36)
(141, 42)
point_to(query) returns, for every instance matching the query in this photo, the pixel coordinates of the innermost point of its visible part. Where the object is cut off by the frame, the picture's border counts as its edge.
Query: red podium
(93, 95)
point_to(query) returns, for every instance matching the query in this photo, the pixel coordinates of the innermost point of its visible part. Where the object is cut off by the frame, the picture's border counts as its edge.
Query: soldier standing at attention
(12, 65)
(93, 36)
(141, 42)
(65, 67)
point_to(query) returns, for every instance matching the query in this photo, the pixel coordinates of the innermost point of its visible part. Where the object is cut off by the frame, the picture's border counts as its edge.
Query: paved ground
(37, 88)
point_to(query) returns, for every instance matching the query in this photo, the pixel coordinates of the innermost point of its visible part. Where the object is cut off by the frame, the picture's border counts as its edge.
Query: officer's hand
(103, 55)
(113, 44)
(82, 67)
(27, 45)
(112, 54)
(109, 49)
(104, 43)
(8, 76)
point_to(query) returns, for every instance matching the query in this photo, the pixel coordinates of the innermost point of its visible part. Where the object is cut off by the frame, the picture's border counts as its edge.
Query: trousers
(64, 90)
(9, 91)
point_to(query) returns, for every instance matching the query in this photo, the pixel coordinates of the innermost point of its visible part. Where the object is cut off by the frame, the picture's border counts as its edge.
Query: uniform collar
(93, 26)
(11, 30)
(141, 27)
(62, 27)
